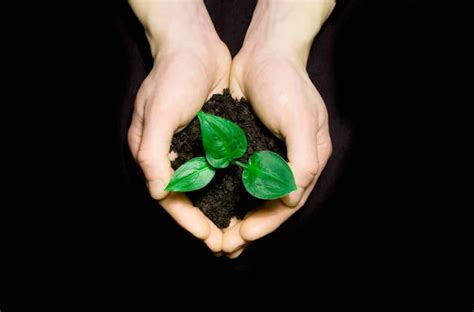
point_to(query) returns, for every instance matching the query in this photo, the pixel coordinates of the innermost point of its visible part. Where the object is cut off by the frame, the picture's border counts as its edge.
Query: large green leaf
(192, 175)
(268, 176)
(223, 140)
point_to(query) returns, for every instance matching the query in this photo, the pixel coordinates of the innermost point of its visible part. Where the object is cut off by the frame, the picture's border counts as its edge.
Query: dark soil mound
(225, 197)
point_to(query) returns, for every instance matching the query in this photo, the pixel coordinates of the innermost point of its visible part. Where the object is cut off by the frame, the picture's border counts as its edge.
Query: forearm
(174, 22)
(288, 24)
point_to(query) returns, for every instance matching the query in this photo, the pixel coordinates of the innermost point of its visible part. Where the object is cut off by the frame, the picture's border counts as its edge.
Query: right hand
(187, 70)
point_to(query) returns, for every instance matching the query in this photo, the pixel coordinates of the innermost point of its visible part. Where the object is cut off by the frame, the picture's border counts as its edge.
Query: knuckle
(144, 159)
(251, 232)
(330, 149)
(130, 137)
(308, 171)
(312, 169)
(141, 94)
(156, 194)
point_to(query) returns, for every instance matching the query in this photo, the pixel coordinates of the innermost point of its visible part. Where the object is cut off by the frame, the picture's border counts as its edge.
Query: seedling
(265, 176)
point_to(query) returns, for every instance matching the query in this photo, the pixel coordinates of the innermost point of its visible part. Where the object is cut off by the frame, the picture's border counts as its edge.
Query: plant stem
(238, 163)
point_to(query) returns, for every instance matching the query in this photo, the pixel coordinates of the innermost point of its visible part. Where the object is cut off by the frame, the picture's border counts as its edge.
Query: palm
(169, 98)
(287, 102)
(283, 96)
(178, 86)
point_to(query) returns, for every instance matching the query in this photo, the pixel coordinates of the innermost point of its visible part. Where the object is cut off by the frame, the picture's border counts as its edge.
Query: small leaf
(192, 175)
(223, 140)
(268, 176)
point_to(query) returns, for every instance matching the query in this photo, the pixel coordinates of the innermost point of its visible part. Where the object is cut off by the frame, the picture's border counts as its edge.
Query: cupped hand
(186, 72)
(284, 98)
(191, 63)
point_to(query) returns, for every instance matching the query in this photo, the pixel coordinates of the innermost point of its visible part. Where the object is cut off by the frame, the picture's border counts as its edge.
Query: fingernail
(293, 198)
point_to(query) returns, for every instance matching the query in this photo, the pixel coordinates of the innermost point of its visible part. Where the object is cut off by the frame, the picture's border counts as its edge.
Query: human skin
(191, 63)
(270, 71)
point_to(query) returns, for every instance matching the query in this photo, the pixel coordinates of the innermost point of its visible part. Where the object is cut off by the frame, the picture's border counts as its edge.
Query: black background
(77, 224)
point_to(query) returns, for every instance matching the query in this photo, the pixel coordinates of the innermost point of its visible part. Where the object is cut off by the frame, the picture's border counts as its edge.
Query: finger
(303, 158)
(233, 222)
(153, 154)
(135, 133)
(222, 84)
(324, 146)
(214, 240)
(180, 208)
(272, 214)
(232, 240)
(235, 88)
(264, 220)
(235, 254)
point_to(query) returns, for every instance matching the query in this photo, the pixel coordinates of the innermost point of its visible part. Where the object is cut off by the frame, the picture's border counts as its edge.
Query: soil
(225, 196)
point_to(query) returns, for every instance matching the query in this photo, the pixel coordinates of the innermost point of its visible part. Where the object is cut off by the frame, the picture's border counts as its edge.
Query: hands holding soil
(191, 63)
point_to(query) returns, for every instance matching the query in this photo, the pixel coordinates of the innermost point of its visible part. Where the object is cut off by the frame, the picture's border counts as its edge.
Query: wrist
(175, 24)
(287, 28)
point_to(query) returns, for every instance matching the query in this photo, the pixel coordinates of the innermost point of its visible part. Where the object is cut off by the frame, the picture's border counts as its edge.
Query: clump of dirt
(225, 196)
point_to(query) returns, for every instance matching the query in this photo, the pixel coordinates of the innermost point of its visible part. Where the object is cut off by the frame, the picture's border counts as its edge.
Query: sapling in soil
(266, 175)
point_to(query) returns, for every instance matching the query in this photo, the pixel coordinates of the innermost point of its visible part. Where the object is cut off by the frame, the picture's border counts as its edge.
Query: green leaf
(268, 176)
(192, 175)
(223, 140)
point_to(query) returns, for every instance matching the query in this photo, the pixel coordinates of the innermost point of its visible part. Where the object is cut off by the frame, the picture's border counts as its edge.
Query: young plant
(265, 176)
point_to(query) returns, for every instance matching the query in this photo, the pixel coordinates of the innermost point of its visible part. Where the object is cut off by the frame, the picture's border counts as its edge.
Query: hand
(190, 64)
(270, 71)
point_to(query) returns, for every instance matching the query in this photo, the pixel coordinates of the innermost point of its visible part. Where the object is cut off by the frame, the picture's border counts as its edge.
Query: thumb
(153, 155)
(303, 159)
